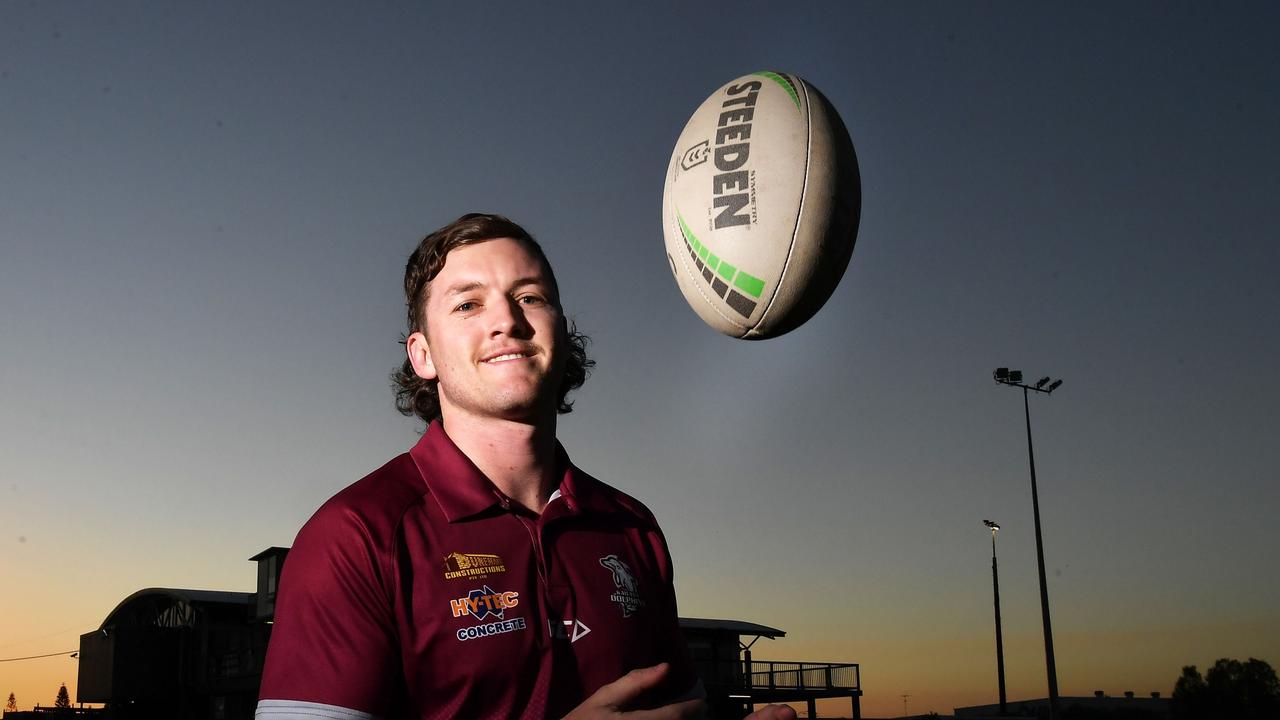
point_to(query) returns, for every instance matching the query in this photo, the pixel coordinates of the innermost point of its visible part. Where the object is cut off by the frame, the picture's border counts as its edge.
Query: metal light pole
(995, 584)
(1005, 376)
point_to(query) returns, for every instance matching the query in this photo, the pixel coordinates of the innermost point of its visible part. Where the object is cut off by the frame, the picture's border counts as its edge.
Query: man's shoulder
(604, 495)
(374, 504)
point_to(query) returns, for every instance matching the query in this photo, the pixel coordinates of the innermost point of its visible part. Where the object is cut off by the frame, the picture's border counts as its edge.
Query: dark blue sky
(205, 210)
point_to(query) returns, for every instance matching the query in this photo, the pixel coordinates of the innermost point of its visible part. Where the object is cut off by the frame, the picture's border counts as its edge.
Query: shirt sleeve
(682, 681)
(333, 647)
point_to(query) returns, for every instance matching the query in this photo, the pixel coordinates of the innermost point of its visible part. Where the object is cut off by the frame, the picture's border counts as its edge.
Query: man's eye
(531, 299)
(466, 306)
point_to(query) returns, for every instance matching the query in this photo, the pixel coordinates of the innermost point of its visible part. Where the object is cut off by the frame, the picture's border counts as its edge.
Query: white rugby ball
(760, 206)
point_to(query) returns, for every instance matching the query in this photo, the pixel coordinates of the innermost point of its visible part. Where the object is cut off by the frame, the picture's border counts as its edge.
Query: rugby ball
(760, 206)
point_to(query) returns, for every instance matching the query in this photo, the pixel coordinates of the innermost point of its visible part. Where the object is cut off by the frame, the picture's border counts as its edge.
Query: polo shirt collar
(462, 490)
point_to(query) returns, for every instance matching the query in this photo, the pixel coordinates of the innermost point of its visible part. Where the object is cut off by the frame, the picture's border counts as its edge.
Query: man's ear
(419, 353)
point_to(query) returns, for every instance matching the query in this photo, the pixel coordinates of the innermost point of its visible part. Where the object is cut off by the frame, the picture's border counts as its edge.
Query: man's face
(495, 336)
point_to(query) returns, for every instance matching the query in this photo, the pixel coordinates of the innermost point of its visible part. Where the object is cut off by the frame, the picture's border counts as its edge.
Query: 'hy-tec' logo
(484, 602)
(734, 124)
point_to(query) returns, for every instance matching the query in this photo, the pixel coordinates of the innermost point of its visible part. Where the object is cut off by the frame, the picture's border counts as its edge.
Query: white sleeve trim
(299, 710)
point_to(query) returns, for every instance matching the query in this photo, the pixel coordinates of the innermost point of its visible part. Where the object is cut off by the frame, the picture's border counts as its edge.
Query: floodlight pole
(1014, 378)
(995, 584)
(1050, 666)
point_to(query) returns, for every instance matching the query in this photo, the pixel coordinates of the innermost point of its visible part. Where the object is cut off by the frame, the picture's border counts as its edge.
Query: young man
(481, 574)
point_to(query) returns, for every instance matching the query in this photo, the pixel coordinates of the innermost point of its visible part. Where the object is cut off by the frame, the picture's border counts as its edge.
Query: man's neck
(519, 458)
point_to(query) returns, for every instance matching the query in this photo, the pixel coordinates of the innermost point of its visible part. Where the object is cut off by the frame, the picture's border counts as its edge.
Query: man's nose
(509, 319)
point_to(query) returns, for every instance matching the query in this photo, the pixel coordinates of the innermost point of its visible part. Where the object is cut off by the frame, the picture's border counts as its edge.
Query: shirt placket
(556, 595)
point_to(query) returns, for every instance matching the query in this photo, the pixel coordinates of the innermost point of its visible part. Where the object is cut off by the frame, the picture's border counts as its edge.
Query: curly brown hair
(418, 396)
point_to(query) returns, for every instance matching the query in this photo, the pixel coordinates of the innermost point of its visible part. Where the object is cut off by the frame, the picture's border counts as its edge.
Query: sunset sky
(205, 211)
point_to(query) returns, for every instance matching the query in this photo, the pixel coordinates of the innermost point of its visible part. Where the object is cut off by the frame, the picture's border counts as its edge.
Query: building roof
(273, 550)
(738, 627)
(192, 597)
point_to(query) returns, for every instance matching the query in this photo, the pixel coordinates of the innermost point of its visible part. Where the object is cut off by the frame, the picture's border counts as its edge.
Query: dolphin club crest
(626, 589)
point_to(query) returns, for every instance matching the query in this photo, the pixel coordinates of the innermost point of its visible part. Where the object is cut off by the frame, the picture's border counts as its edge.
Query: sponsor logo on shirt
(493, 628)
(484, 603)
(471, 565)
(627, 590)
(487, 604)
(571, 630)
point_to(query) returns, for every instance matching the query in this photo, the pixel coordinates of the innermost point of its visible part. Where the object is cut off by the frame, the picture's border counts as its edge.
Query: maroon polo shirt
(421, 591)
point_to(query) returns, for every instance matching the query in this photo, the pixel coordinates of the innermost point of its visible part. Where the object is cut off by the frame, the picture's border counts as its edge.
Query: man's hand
(773, 712)
(612, 700)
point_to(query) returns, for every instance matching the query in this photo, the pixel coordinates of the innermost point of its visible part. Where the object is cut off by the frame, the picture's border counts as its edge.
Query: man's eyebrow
(531, 280)
(466, 287)
(461, 288)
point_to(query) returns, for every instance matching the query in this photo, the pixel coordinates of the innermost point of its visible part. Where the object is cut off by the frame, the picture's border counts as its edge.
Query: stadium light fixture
(1005, 376)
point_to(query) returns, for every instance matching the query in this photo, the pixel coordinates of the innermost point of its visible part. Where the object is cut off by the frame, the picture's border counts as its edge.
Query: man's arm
(333, 650)
(614, 699)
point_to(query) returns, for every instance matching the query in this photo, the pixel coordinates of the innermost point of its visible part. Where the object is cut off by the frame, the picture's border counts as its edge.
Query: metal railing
(802, 676)
(773, 675)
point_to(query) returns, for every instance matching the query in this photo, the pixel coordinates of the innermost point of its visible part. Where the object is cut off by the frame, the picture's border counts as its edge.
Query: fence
(772, 675)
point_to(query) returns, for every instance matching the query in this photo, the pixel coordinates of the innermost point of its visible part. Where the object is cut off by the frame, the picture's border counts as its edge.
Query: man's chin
(524, 410)
(527, 403)
(525, 413)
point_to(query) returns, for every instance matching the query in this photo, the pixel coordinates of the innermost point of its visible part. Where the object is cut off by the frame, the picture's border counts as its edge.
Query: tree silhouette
(13, 704)
(63, 700)
(1230, 689)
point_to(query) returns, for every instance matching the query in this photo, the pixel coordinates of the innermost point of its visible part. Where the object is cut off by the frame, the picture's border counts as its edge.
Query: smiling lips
(509, 355)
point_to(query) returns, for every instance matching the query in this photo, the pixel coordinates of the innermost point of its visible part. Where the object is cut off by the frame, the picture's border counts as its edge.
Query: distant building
(172, 654)
(52, 713)
(735, 681)
(1099, 705)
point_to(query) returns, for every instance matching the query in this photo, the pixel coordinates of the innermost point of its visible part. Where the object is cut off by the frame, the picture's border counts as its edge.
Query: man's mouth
(508, 356)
